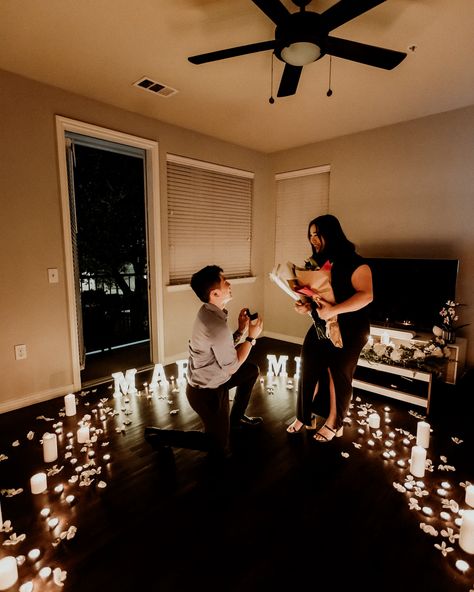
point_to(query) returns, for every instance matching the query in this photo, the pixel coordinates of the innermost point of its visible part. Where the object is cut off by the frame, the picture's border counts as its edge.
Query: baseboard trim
(282, 337)
(32, 399)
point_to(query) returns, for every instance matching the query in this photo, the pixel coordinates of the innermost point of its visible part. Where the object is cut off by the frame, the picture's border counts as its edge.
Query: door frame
(153, 216)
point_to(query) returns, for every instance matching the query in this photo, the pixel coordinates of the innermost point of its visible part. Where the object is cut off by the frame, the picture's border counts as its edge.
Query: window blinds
(301, 196)
(209, 218)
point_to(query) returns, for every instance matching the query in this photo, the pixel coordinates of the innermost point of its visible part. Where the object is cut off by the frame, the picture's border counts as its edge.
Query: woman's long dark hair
(336, 244)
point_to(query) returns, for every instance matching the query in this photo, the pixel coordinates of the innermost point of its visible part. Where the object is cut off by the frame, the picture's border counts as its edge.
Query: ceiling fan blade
(289, 80)
(274, 9)
(231, 52)
(344, 11)
(371, 55)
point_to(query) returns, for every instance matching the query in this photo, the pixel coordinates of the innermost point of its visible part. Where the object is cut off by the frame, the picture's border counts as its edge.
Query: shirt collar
(222, 313)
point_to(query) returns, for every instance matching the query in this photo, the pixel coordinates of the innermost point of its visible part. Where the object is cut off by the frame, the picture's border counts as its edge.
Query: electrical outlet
(20, 352)
(53, 275)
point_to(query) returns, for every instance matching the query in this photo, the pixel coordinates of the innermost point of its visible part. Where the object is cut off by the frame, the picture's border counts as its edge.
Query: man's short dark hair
(205, 280)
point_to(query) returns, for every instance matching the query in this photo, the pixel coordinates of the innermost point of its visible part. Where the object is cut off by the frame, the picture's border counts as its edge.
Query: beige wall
(401, 190)
(35, 312)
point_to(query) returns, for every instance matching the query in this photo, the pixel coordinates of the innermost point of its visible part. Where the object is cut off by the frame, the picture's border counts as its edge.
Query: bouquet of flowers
(306, 283)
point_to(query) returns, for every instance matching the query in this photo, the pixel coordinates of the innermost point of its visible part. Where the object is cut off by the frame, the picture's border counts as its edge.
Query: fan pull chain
(271, 100)
(329, 93)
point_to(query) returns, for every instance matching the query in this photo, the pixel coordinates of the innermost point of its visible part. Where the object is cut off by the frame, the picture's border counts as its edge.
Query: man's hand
(243, 321)
(255, 328)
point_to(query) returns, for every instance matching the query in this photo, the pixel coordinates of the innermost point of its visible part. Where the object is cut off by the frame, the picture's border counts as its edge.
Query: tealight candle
(26, 587)
(445, 484)
(70, 403)
(59, 488)
(409, 485)
(462, 565)
(106, 457)
(392, 453)
(361, 431)
(370, 442)
(386, 409)
(45, 512)
(8, 572)
(34, 554)
(427, 511)
(445, 515)
(401, 463)
(38, 483)
(45, 572)
(374, 421)
(458, 521)
(50, 447)
(466, 533)
(83, 434)
(423, 434)
(470, 495)
(418, 458)
(386, 454)
(53, 522)
(442, 492)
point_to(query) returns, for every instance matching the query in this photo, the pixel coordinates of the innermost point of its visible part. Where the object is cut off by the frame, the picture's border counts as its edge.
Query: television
(409, 293)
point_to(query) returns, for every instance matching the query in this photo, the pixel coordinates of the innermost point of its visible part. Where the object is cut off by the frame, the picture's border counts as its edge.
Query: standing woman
(325, 386)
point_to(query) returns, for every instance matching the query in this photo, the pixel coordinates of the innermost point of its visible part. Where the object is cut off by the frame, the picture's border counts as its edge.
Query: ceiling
(100, 48)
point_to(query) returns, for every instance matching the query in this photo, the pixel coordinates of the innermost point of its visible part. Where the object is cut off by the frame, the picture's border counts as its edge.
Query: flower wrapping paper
(291, 278)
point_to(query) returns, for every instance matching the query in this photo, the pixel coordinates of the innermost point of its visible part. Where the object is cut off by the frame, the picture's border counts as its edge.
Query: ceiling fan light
(301, 53)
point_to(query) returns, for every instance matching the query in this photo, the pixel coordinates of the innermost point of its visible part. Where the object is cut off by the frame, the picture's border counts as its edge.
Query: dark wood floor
(285, 511)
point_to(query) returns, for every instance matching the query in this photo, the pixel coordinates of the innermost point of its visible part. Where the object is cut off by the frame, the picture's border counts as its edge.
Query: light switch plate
(20, 352)
(53, 275)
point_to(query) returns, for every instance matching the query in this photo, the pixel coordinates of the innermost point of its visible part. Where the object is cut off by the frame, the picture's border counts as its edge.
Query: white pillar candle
(385, 338)
(38, 483)
(374, 421)
(8, 572)
(418, 458)
(470, 495)
(423, 434)
(466, 534)
(70, 403)
(83, 434)
(50, 447)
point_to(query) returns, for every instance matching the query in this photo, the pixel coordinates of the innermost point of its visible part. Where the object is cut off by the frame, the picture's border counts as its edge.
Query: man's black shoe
(248, 422)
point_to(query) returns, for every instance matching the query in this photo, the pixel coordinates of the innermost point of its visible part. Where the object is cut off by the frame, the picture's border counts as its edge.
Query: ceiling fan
(303, 37)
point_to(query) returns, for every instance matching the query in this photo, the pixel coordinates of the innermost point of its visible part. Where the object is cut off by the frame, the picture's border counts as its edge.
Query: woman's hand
(302, 307)
(324, 308)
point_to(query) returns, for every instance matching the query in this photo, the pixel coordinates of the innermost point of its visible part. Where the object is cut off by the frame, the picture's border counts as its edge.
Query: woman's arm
(361, 280)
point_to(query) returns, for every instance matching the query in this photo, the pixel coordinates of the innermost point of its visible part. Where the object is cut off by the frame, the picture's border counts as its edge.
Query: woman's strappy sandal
(319, 437)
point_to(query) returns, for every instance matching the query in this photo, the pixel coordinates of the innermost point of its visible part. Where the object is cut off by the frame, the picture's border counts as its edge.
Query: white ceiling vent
(155, 87)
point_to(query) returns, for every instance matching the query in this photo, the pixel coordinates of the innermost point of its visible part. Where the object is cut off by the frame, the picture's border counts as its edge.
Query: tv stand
(407, 384)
